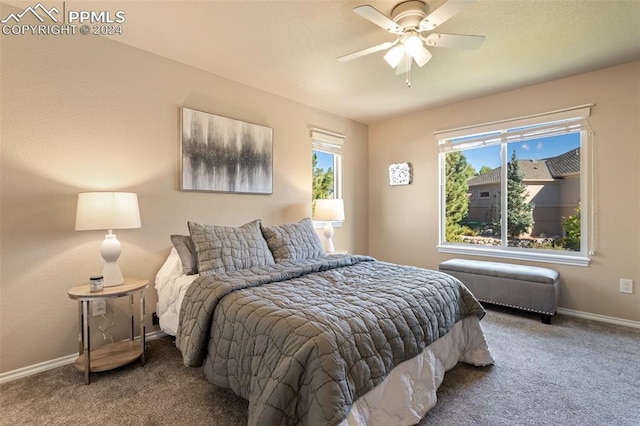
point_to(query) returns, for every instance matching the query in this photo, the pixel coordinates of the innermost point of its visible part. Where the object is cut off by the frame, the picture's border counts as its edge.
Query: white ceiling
(290, 47)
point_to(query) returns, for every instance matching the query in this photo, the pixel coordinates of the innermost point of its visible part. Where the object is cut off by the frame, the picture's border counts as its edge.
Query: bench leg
(546, 318)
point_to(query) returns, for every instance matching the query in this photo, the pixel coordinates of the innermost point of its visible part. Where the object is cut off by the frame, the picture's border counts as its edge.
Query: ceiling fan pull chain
(408, 73)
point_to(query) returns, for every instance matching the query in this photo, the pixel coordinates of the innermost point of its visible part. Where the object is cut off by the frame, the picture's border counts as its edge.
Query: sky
(528, 150)
(324, 160)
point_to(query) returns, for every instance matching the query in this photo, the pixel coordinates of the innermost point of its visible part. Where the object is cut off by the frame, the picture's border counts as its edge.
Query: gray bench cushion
(502, 270)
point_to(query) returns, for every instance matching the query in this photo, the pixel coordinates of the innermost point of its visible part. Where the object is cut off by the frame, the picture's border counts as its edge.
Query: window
(326, 179)
(327, 164)
(530, 175)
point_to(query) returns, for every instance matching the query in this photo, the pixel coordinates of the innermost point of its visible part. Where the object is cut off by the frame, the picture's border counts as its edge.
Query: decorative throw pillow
(187, 252)
(225, 248)
(293, 241)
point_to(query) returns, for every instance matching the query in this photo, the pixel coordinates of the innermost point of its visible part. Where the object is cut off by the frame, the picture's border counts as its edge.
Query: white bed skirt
(409, 391)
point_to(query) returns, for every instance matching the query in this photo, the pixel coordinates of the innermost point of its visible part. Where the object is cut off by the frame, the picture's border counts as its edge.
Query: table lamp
(328, 210)
(108, 211)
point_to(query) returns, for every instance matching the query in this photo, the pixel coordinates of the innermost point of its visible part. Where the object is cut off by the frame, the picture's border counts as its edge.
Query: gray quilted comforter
(303, 340)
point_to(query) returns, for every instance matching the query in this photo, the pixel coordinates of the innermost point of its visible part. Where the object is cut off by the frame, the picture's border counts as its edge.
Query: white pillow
(168, 269)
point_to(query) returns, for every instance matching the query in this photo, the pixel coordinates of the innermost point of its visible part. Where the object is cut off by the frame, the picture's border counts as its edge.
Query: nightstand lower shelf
(112, 355)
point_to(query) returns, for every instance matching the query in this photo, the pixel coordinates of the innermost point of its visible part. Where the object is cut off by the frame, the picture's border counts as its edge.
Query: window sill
(517, 254)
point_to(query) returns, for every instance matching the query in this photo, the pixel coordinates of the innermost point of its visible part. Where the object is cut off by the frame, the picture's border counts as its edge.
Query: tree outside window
(519, 210)
(326, 165)
(323, 177)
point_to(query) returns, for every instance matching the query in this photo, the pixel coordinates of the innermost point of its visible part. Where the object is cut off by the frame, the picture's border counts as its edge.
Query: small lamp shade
(108, 211)
(329, 210)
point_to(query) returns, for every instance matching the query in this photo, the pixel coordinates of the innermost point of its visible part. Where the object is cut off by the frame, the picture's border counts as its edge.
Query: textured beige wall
(85, 113)
(404, 220)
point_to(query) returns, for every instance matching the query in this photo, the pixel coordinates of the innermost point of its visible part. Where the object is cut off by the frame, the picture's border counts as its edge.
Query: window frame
(502, 133)
(331, 143)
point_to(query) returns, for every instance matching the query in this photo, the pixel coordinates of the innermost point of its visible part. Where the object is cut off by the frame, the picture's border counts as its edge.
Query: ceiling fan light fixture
(412, 45)
(394, 56)
(423, 57)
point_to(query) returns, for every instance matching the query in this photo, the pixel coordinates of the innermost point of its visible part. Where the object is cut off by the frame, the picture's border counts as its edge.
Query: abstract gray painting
(221, 154)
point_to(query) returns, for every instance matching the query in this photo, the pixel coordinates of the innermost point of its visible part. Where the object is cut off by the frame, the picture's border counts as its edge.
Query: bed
(310, 338)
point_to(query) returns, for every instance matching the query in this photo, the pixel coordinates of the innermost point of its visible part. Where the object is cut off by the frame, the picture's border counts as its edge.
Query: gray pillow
(226, 248)
(293, 241)
(187, 252)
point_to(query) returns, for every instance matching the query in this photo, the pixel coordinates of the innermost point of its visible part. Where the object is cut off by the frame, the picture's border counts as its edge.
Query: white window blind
(324, 140)
(518, 129)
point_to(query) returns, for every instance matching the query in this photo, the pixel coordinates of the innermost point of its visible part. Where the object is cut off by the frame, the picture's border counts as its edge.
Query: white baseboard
(54, 363)
(601, 318)
(37, 368)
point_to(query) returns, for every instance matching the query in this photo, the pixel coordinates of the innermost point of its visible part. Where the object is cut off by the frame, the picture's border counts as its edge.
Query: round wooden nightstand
(115, 354)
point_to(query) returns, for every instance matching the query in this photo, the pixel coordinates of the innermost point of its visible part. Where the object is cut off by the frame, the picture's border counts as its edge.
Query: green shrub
(571, 226)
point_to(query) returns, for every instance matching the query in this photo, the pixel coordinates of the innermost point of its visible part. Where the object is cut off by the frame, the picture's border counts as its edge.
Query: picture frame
(400, 174)
(221, 154)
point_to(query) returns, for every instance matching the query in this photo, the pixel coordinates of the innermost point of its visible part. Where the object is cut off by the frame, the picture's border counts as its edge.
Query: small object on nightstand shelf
(111, 355)
(97, 283)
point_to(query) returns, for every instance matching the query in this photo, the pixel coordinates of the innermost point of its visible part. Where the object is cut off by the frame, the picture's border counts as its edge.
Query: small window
(484, 194)
(326, 164)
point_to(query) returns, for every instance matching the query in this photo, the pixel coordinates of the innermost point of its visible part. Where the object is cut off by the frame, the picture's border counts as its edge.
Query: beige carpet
(574, 372)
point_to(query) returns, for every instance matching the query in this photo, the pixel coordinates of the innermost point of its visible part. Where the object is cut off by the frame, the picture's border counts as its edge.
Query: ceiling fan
(410, 22)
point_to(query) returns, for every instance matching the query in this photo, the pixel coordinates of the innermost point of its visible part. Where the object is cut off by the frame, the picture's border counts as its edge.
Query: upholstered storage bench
(518, 286)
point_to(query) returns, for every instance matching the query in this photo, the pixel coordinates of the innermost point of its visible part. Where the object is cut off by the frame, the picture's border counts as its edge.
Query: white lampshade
(108, 211)
(329, 209)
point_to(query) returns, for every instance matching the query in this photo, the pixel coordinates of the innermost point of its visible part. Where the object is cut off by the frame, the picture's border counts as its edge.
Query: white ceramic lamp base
(110, 250)
(328, 235)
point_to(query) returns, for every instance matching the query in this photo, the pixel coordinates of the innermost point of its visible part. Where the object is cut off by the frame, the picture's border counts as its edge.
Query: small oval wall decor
(400, 174)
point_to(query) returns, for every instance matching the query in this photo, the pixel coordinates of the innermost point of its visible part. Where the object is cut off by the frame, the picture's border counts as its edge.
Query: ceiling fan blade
(443, 13)
(372, 14)
(367, 51)
(405, 65)
(422, 57)
(459, 41)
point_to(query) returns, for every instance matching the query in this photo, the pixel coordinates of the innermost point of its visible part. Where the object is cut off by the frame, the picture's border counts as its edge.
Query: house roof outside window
(547, 169)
